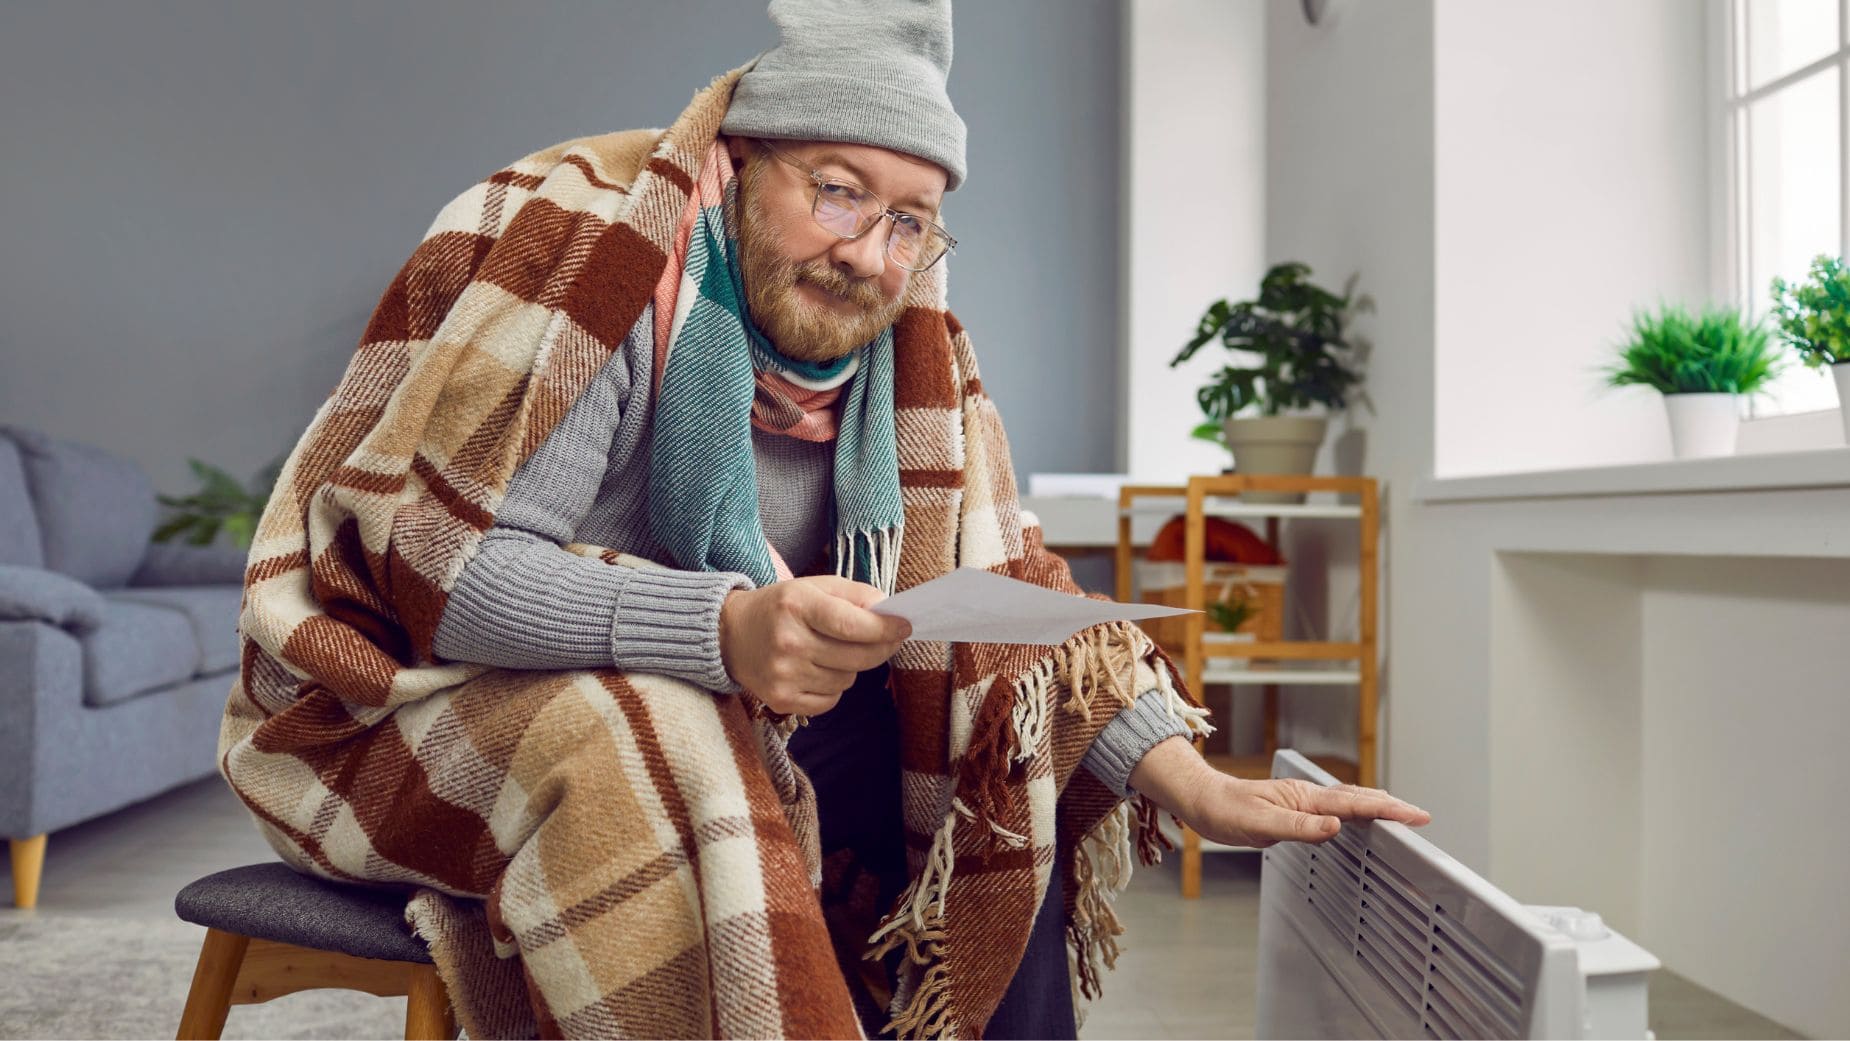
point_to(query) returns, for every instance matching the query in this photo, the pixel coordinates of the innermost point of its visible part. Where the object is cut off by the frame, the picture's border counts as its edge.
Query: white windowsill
(1769, 471)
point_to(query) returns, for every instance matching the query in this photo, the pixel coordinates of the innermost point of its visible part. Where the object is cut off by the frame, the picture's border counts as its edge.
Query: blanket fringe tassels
(1101, 870)
(918, 926)
(1104, 661)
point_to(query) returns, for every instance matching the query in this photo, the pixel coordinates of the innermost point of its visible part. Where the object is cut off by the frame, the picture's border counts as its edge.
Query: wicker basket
(1166, 582)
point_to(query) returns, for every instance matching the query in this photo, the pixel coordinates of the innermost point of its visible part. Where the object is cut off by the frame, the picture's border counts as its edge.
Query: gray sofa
(116, 653)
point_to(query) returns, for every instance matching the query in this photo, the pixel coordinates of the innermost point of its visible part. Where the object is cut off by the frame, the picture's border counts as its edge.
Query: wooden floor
(1187, 970)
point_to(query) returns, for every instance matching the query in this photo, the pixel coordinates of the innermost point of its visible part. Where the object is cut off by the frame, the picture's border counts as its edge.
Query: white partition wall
(1194, 211)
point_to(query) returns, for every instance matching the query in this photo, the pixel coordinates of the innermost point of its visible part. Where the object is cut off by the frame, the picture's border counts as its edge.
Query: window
(1788, 64)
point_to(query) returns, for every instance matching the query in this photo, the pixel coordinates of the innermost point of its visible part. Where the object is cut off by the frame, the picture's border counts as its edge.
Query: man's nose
(864, 257)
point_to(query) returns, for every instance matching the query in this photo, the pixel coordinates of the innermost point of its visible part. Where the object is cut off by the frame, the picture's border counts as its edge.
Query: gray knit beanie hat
(868, 72)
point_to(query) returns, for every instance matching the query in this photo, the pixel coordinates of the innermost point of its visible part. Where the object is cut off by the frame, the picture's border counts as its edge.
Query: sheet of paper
(974, 606)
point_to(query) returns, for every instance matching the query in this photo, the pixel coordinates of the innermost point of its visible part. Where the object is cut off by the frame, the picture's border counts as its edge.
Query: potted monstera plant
(1292, 368)
(1702, 364)
(1814, 318)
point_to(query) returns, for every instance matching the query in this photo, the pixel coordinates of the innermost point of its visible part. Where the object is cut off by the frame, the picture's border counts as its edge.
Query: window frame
(1737, 280)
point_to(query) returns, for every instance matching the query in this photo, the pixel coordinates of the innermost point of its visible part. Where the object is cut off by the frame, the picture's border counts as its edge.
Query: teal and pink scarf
(717, 376)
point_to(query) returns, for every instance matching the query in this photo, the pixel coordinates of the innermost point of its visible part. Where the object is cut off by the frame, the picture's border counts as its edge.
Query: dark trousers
(851, 755)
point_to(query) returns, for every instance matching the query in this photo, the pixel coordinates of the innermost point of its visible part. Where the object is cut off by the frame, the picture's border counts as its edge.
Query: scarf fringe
(882, 557)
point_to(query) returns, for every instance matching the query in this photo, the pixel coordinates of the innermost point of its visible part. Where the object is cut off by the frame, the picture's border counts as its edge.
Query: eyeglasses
(848, 211)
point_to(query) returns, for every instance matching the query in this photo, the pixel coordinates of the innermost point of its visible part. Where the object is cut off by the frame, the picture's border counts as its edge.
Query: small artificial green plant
(1814, 315)
(1292, 337)
(1716, 351)
(1231, 613)
(220, 505)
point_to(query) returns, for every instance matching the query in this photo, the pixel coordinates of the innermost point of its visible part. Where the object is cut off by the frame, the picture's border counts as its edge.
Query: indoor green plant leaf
(1231, 613)
(1290, 345)
(221, 505)
(1715, 351)
(1814, 315)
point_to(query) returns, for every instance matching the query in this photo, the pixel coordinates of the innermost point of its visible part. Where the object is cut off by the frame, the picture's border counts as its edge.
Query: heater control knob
(1574, 922)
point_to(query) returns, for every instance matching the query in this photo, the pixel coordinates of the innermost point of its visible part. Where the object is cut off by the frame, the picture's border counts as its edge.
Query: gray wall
(204, 200)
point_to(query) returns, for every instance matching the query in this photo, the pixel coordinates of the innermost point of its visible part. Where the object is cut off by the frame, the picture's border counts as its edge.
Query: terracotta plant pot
(1275, 445)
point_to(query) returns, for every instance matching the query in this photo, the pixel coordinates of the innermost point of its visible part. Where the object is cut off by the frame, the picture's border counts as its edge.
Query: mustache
(857, 291)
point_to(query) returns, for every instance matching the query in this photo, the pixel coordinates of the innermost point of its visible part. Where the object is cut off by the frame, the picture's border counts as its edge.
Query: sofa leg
(28, 861)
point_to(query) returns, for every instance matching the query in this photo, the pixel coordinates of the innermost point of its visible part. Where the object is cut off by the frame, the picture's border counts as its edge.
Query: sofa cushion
(138, 648)
(95, 509)
(33, 594)
(19, 527)
(212, 611)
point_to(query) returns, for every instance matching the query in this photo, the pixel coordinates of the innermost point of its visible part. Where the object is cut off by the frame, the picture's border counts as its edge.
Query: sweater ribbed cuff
(667, 622)
(1130, 734)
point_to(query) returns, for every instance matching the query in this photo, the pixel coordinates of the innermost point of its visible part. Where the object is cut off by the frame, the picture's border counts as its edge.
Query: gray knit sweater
(524, 602)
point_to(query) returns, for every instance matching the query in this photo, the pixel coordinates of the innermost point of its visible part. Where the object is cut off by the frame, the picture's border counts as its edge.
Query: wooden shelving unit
(1294, 662)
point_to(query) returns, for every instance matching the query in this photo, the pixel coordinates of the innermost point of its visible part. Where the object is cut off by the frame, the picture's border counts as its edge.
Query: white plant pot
(1275, 445)
(1702, 425)
(1841, 373)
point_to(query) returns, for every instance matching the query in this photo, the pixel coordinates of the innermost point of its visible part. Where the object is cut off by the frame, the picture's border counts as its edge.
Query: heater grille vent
(1440, 974)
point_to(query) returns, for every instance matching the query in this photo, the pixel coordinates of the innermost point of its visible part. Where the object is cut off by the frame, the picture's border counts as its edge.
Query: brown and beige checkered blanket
(600, 853)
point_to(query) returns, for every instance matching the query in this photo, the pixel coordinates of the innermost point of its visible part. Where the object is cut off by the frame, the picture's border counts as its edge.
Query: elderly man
(845, 144)
(744, 433)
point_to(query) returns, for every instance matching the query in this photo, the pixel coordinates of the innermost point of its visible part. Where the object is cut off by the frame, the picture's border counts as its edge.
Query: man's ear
(737, 147)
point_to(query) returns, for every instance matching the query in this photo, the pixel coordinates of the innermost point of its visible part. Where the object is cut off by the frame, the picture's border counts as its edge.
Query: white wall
(1567, 732)
(1349, 191)
(1572, 165)
(1745, 675)
(1194, 212)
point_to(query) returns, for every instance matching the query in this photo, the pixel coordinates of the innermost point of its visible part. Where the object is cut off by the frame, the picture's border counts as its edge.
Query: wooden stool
(271, 930)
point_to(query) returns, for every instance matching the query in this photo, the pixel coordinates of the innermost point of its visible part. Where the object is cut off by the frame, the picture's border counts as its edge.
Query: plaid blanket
(599, 853)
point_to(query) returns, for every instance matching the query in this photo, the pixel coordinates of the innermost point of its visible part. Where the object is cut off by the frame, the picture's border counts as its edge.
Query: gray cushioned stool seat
(277, 902)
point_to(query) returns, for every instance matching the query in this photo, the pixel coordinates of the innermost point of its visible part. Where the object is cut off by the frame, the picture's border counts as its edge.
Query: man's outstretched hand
(1241, 812)
(798, 644)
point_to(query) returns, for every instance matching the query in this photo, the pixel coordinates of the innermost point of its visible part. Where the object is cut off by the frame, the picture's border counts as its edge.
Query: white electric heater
(1378, 933)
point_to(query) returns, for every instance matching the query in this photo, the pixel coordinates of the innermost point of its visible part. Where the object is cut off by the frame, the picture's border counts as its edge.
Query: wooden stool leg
(428, 1015)
(1191, 864)
(220, 958)
(28, 862)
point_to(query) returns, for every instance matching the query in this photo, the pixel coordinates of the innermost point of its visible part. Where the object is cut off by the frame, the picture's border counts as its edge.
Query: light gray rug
(68, 977)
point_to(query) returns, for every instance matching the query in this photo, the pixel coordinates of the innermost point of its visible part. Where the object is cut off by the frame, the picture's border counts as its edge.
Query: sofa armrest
(41, 708)
(179, 564)
(34, 594)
